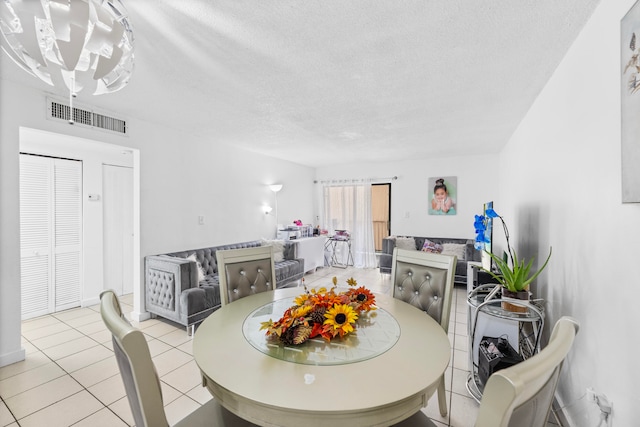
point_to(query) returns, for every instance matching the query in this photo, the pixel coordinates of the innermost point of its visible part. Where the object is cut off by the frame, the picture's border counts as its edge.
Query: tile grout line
(10, 411)
(74, 379)
(67, 373)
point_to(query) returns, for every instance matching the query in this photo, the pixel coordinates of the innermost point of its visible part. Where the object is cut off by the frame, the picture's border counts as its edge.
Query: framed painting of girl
(443, 193)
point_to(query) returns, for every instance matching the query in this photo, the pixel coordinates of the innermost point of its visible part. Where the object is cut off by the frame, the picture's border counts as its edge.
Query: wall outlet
(604, 404)
(201, 219)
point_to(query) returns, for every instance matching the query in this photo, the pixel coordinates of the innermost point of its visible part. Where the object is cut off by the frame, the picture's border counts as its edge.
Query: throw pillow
(432, 247)
(201, 274)
(406, 243)
(457, 249)
(278, 248)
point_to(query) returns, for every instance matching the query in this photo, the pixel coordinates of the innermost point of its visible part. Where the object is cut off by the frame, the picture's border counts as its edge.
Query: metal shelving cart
(485, 308)
(331, 246)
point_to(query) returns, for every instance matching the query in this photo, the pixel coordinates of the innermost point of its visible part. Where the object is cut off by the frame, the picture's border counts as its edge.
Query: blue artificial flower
(482, 238)
(491, 213)
(480, 224)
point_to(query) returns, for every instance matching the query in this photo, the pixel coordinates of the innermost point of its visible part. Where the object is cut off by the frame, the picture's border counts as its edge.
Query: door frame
(388, 184)
(93, 153)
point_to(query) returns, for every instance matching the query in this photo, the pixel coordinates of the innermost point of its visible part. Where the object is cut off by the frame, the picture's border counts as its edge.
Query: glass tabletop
(375, 332)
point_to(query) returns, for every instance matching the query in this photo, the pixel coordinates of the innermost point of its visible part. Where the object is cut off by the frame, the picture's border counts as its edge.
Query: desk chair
(522, 394)
(425, 280)
(244, 272)
(141, 381)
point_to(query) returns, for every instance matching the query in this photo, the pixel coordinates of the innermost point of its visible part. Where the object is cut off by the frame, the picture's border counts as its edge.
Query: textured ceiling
(319, 82)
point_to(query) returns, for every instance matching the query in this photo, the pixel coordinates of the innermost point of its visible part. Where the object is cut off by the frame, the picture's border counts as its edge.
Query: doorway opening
(381, 213)
(101, 212)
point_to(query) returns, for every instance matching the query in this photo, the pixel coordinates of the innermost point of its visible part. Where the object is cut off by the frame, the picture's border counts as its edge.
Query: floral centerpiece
(325, 313)
(512, 272)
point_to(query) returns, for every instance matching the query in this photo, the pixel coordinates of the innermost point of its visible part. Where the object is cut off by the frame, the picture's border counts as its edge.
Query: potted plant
(513, 273)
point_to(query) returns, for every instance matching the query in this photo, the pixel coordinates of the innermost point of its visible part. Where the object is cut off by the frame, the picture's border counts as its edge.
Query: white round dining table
(377, 378)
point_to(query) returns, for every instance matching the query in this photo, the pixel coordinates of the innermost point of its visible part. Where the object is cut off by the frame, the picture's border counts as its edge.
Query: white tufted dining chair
(141, 380)
(244, 272)
(425, 280)
(522, 394)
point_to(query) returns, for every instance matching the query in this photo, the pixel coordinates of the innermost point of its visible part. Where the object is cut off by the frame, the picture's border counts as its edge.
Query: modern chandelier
(76, 44)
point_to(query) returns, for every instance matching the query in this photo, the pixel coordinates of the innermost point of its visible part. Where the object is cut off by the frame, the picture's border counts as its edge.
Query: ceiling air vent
(59, 110)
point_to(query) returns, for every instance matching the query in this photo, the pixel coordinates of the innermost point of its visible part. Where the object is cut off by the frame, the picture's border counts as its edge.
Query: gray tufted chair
(244, 272)
(141, 380)
(522, 394)
(425, 280)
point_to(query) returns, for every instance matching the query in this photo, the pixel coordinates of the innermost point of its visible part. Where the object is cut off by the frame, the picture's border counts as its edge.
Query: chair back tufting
(425, 280)
(244, 272)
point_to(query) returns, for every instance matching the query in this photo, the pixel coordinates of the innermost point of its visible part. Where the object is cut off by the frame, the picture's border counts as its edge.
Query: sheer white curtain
(348, 207)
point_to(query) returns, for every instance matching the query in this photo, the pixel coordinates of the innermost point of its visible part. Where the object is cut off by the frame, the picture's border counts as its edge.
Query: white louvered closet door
(50, 234)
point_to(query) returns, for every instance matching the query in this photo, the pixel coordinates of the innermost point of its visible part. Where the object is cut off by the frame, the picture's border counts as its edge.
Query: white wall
(561, 186)
(228, 186)
(181, 177)
(477, 184)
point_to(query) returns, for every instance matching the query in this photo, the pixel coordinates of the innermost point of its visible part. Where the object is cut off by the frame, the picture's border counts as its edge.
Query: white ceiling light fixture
(77, 44)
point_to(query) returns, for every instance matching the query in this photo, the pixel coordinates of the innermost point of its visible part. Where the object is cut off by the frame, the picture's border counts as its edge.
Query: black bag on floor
(495, 354)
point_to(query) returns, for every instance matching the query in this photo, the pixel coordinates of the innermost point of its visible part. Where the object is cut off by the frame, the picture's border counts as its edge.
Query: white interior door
(117, 205)
(50, 234)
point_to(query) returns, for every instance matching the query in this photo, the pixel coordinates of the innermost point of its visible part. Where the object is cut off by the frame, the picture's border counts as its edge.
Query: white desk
(269, 391)
(312, 250)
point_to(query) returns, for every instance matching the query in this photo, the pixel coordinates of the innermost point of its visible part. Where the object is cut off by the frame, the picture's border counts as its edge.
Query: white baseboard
(140, 317)
(90, 301)
(13, 357)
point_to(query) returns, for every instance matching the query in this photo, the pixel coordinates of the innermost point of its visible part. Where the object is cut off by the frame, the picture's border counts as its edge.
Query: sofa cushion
(457, 249)
(201, 273)
(429, 246)
(199, 300)
(278, 248)
(286, 269)
(407, 243)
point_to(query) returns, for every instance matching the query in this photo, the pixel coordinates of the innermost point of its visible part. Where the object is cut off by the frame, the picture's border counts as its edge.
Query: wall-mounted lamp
(275, 188)
(267, 209)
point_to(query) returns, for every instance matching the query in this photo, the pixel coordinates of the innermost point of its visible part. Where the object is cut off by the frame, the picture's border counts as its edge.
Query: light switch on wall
(201, 219)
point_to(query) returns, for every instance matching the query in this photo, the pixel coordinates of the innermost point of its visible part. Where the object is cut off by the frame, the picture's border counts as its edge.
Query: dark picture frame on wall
(443, 195)
(630, 104)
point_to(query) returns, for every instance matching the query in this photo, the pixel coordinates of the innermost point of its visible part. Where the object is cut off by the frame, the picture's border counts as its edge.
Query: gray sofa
(470, 254)
(172, 289)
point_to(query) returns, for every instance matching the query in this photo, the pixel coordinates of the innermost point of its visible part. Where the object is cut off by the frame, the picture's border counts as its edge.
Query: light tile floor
(70, 376)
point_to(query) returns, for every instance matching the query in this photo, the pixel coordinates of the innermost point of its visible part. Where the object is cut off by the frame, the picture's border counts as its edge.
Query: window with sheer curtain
(348, 207)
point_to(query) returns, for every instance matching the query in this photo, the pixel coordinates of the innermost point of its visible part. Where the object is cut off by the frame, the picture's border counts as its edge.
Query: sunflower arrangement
(321, 312)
